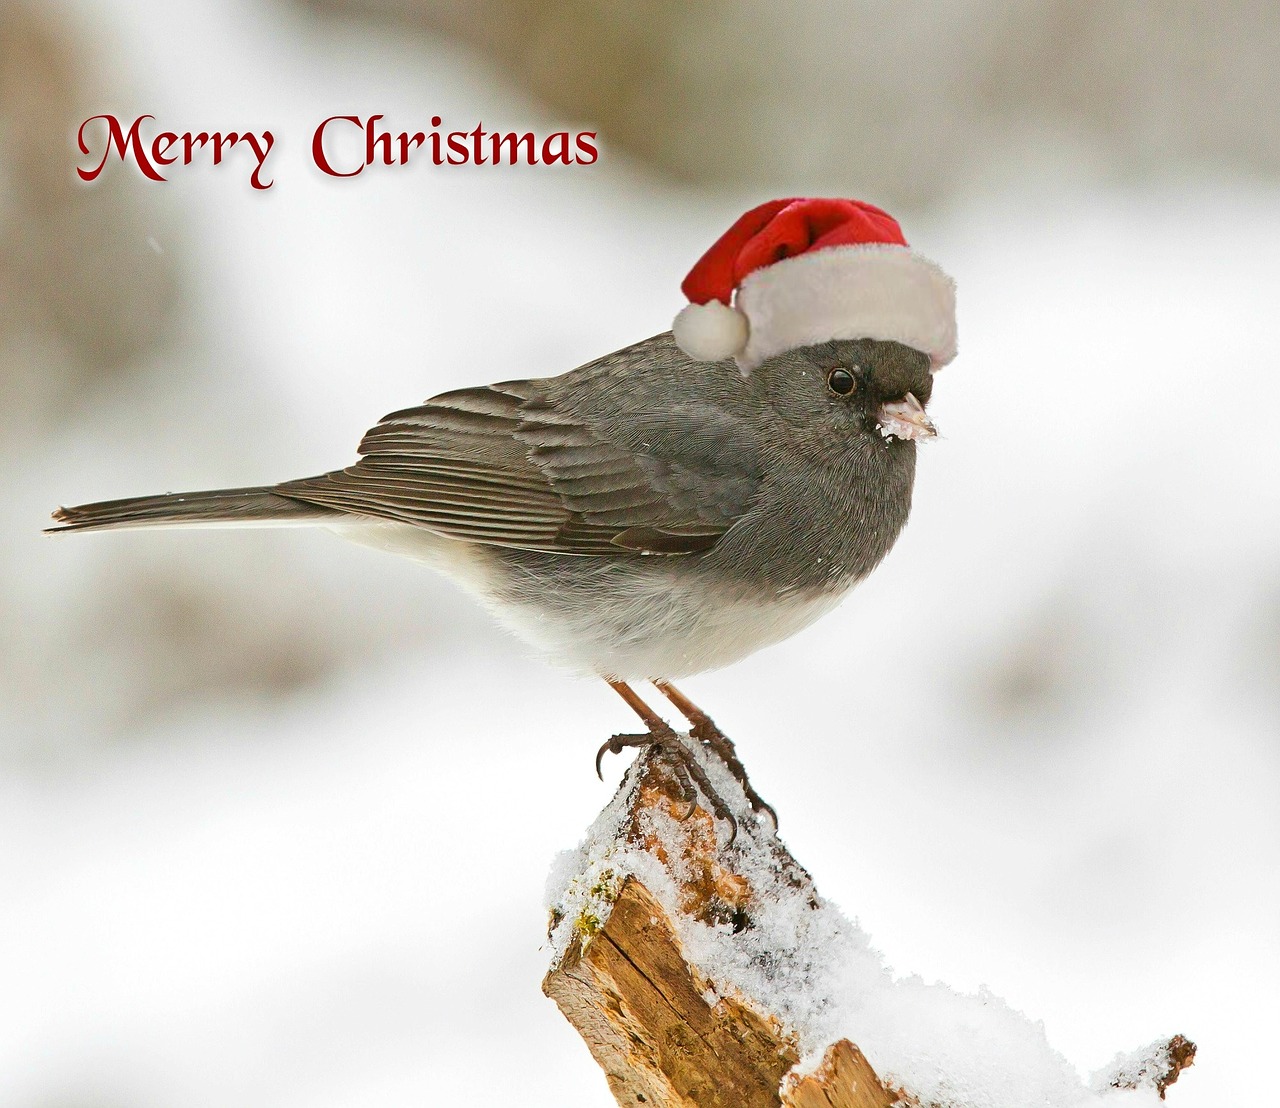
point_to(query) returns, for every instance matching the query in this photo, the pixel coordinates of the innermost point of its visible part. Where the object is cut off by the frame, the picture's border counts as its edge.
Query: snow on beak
(905, 419)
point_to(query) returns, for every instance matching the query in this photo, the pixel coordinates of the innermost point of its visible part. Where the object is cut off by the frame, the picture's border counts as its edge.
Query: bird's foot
(704, 729)
(711, 736)
(685, 767)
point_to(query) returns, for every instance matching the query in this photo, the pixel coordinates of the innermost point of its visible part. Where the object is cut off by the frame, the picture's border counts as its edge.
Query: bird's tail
(216, 507)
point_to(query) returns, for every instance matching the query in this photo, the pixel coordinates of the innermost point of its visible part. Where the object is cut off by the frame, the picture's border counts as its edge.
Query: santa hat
(797, 272)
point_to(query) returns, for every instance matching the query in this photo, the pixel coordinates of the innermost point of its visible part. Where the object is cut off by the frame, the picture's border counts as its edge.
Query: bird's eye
(841, 381)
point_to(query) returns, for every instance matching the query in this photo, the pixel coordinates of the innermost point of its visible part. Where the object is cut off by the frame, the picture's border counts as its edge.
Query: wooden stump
(663, 1032)
(658, 1030)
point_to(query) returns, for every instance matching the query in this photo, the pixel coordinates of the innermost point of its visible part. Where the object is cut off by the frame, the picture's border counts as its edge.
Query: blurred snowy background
(276, 812)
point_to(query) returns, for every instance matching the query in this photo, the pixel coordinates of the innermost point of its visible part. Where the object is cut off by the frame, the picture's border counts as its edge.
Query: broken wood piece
(844, 1080)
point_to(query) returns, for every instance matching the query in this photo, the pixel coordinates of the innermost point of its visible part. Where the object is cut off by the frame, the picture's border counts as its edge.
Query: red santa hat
(797, 272)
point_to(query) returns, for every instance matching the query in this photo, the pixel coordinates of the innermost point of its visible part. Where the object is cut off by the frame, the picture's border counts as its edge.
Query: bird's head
(864, 386)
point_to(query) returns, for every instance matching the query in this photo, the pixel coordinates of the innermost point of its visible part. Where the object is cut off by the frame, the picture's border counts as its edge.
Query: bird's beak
(905, 419)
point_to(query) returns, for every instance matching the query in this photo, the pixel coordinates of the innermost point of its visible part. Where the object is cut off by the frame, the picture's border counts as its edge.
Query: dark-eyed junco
(673, 506)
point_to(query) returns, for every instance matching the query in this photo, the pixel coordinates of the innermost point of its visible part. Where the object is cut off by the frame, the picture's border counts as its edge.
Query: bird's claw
(606, 747)
(689, 771)
(689, 774)
(616, 744)
(707, 733)
(688, 793)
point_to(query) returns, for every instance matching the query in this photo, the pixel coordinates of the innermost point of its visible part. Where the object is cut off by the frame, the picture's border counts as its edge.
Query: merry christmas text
(341, 146)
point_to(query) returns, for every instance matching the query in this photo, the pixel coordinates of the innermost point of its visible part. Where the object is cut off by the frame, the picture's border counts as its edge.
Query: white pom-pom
(710, 332)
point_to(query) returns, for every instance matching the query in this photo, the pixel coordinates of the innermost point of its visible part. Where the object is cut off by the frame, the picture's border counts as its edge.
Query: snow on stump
(708, 975)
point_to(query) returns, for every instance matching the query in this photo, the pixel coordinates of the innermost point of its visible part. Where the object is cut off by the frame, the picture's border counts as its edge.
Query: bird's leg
(703, 729)
(656, 724)
(684, 764)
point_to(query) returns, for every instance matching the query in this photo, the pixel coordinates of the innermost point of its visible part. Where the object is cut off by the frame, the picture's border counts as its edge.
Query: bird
(673, 506)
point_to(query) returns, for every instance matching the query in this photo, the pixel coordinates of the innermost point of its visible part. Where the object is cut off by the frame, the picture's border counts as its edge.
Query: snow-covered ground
(1038, 752)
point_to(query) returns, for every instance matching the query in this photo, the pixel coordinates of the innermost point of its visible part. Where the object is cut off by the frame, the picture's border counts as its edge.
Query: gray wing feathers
(512, 465)
(593, 478)
(452, 465)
